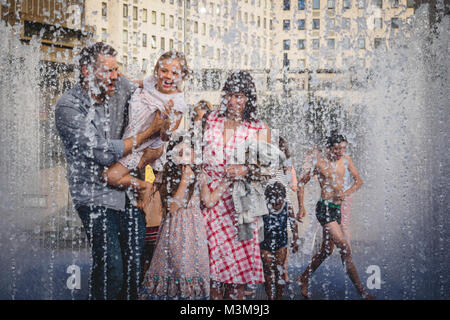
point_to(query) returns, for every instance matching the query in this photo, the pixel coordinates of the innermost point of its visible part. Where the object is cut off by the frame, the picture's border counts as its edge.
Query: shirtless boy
(330, 167)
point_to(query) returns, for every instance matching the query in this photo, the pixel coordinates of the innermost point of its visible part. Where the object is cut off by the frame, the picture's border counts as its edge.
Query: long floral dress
(231, 260)
(180, 265)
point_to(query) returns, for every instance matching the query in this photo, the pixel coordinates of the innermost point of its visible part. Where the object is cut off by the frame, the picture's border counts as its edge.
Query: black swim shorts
(327, 212)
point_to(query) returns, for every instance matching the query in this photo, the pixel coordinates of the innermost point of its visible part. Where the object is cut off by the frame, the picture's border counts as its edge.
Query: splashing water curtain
(395, 116)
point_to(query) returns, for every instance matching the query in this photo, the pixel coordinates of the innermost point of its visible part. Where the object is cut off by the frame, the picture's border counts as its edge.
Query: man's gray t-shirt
(91, 134)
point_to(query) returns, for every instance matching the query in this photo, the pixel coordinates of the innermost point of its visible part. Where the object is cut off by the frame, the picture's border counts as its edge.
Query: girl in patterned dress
(179, 268)
(233, 263)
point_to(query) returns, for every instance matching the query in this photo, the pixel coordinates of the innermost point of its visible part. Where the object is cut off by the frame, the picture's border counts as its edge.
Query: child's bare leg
(280, 269)
(339, 240)
(117, 175)
(234, 291)
(286, 266)
(325, 251)
(216, 290)
(268, 260)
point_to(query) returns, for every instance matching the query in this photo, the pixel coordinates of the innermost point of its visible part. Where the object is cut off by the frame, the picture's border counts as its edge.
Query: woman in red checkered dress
(233, 263)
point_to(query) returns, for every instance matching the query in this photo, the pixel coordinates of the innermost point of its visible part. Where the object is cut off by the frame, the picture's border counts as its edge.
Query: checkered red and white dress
(231, 260)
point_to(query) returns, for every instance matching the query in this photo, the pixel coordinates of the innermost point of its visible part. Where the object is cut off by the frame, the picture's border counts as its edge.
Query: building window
(188, 25)
(301, 44)
(144, 15)
(410, 3)
(135, 13)
(259, 21)
(378, 23)
(301, 24)
(195, 26)
(171, 21)
(170, 44)
(286, 44)
(331, 43)
(361, 4)
(104, 35)
(286, 24)
(346, 43)
(331, 24)
(378, 3)
(316, 43)
(188, 4)
(301, 5)
(361, 43)
(153, 42)
(395, 3)
(104, 9)
(204, 29)
(144, 65)
(346, 23)
(144, 40)
(286, 4)
(125, 60)
(153, 17)
(163, 43)
(316, 24)
(125, 36)
(125, 11)
(163, 19)
(347, 4)
(378, 42)
(285, 60)
(301, 63)
(395, 23)
(180, 24)
(135, 38)
(316, 4)
(331, 4)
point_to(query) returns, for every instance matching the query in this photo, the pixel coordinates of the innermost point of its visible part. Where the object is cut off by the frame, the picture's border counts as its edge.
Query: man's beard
(100, 89)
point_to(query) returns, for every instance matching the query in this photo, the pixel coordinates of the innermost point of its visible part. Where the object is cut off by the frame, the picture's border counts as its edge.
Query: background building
(318, 37)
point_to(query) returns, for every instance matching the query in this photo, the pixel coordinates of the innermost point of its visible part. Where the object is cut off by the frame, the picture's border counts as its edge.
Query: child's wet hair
(335, 138)
(185, 72)
(275, 191)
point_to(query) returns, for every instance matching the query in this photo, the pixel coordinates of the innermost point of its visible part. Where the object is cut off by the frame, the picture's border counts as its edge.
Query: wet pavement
(37, 273)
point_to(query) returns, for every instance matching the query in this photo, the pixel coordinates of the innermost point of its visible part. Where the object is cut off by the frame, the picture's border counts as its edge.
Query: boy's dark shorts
(328, 212)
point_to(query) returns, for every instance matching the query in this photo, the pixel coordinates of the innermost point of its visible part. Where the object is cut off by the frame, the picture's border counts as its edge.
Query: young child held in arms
(160, 102)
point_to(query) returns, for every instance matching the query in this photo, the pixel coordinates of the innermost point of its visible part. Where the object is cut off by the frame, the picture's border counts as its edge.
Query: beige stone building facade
(216, 36)
(323, 37)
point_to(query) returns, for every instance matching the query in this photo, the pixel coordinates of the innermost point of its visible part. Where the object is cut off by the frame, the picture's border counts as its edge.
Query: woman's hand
(301, 214)
(236, 171)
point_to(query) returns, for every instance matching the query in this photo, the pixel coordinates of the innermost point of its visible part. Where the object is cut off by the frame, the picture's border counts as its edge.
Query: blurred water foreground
(399, 138)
